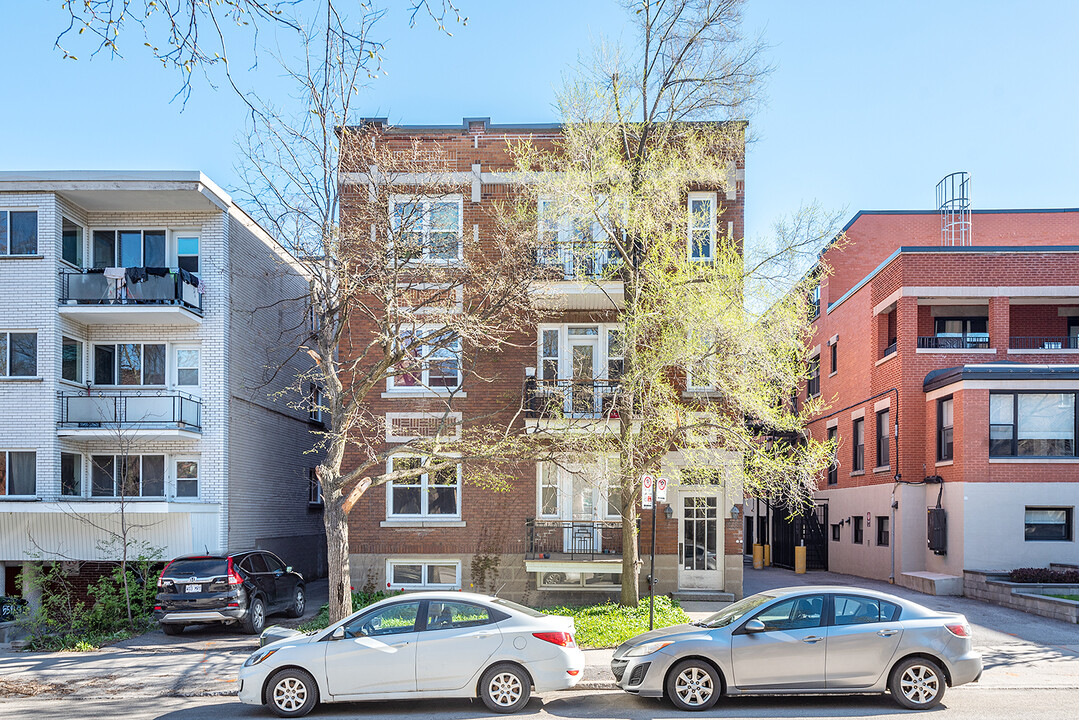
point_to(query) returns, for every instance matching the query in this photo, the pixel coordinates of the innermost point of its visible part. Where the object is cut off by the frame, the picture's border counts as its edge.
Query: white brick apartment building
(142, 315)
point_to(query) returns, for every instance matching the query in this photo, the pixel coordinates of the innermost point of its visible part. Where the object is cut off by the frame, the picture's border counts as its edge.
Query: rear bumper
(554, 674)
(200, 616)
(966, 668)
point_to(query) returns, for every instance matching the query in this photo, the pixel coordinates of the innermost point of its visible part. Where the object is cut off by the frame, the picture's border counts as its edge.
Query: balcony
(91, 298)
(1063, 343)
(147, 414)
(573, 540)
(954, 342)
(580, 275)
(570, 401)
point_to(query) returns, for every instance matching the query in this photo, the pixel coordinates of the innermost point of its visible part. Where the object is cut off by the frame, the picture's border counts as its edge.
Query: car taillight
(959, 630)
(564, 639)
(234, 577)
(161, 578)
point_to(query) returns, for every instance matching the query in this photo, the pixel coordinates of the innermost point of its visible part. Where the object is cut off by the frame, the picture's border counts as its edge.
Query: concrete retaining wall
(1029, 597)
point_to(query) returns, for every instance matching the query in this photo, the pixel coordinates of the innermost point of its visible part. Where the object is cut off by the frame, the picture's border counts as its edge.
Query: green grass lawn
(1067, 597)
(609, 625)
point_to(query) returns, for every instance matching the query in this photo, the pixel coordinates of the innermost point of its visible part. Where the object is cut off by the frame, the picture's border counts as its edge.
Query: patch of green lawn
(1067, 597)
(609, 625)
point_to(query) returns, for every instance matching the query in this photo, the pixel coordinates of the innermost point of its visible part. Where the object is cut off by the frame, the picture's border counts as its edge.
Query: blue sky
(871, 103)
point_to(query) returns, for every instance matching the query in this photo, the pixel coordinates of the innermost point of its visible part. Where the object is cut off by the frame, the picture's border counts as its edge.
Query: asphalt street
(960, 703)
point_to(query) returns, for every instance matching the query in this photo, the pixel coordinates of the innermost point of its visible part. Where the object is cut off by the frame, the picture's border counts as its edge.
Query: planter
(1034, 598)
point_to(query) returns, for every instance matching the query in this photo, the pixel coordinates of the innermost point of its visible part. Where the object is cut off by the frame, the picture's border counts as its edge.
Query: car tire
(505, 688)
(172, 628)
(255, 621)
(291, 692)
(917, 683)
(693, 685)
(299, 602)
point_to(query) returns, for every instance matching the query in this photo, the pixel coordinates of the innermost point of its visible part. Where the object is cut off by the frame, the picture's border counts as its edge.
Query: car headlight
(648, 648)
(259, 657)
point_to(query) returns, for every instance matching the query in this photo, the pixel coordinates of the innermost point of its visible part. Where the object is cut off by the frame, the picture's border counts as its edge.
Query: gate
(788, 533)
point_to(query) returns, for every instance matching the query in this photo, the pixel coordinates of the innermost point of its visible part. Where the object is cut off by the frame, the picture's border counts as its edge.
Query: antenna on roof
(953, 203)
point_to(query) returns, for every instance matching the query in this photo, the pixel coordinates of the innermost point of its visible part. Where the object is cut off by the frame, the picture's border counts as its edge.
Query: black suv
(241, 588)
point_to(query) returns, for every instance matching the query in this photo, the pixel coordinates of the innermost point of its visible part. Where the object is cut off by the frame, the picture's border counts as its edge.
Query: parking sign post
(648, 487)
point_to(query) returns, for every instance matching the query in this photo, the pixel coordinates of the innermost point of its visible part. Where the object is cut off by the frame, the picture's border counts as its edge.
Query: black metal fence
(1059, 342)
(573, 539)
(579, 259)
(571, 398)
(961, 342)
(119, 409)
(84, 287)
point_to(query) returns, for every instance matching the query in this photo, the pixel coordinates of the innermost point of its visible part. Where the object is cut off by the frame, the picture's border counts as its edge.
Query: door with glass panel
(700, 545)
(570, 496)
(582, 397)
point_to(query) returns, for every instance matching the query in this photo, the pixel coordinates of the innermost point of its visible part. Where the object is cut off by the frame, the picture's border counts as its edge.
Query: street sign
(647, 492)
(661, 489)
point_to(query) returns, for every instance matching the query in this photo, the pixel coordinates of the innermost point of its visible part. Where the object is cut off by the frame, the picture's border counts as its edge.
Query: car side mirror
(754, 626)
(288, 569)
(338, 632)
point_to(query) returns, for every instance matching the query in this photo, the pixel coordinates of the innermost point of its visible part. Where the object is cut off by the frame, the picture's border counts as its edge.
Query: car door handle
(812, 639)
(400, 644)
(483, 634)
(886, 633)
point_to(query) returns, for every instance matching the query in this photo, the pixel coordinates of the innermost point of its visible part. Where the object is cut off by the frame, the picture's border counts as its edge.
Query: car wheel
(693, 685)
(917, 683)
(291, 693)
(256, 617)
(505, 688)
(171, 628)
(299, 601)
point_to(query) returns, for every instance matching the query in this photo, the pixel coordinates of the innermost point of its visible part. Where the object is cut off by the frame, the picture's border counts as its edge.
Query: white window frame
(692, 375)
(563, 347)
(314, 489)
(173, 373)
(117, 458)
(81, 474)
(563, 228)
(173, 247)
(6, 250)
(580, 586)
(425, 361)
(425, 202)
(89, 259)
(690, 226)
(560, 491)
(82, 246)
(7, 349)
(81, 381)
(172, 479)
(314, 410)
(424, 486)
(169, 363)
(7, 471)
(423, 563)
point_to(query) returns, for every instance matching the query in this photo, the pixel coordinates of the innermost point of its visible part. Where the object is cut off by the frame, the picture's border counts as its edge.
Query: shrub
(609, 625)
(1043, 575)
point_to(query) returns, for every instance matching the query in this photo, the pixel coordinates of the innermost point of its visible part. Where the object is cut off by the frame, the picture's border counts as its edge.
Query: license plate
(193, 588)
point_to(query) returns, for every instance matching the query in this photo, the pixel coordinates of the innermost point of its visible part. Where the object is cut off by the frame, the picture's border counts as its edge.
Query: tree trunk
(335, 520)
(631, 561)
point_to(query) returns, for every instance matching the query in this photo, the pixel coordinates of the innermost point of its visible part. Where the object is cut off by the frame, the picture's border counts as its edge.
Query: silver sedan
(818, 639)
(422, 645)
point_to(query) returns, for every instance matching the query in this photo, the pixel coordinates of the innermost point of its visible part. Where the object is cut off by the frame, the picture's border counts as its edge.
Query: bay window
(430, 493)
(1030, 424)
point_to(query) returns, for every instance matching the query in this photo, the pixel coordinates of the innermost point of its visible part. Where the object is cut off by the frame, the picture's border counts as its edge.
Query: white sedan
(422, 645)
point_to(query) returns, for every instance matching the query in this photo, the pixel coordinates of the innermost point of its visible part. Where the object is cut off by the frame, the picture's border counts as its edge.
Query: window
(859, 445)
(187, 367)
(18, 354)
(833, 468)
(702, 225)
(793, 614)
(701, 373)
(427, 228)
(1045, 523)
(614, 354)
(314, 488)
(856, 534)
(18, 232)
(882, 530)
(187, 478)
(578, 580)
(70, 474)
(71, 360)
(944, 429)
(129, 364)
(314, 411)
(882, 438)
(836, 532)
(18, 473)
(813, 299)
(71, 242)
(187, 252)
(813, 386)
(394, 619)
(131, 476)
(859, 610)
(970, 332)
(449, 615)
(834, 352)
(1032, 424)
(574, 241)
(548, 489)
(129, 248)
(409, 574)
(435, 494)
(432, 362)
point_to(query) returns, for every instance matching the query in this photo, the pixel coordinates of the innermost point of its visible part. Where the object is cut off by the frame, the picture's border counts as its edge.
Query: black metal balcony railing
(574, 539)
(579, 259)
(954, 342)
(130, 409)
(1059, 342)
(890, 350)
(82, 287)
(571, 398)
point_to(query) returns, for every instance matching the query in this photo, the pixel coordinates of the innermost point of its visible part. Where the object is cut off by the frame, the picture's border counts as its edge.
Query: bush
(363, 598)
(609, 625)
(1043, 575)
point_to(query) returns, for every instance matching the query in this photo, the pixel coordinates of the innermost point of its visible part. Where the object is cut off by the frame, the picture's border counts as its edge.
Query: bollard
(767, 556)
(758, 556)
(800, 560)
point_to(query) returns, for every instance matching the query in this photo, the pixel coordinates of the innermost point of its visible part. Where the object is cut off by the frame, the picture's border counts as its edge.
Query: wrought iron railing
(573, 539)
(579, 259)
(890, 350)
(1059, 342)
(572, 398)
(130, 409)
(84, 287)
(954, 342)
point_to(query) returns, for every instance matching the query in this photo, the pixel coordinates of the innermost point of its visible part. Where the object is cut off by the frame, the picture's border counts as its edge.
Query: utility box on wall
(937, 525)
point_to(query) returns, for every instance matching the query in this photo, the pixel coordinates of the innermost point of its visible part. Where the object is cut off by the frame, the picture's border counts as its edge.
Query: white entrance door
(700, 545)
(579, 508)
(582, 400)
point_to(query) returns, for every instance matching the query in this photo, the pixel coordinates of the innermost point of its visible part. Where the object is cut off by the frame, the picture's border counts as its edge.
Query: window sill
(22, 257)
(20, 378)
(944, 463)
(1035, 460)
(455, 523)
(19, 498)
(856, 473)
(422, 394)
(886, 358)
(833, 373)
(882, 468)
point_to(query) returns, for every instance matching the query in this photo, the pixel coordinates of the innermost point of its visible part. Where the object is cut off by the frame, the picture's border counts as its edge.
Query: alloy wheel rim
(919, 684)
(259, 616)
(505, 689)
(694, 686)
(290, 694)
(299, 600)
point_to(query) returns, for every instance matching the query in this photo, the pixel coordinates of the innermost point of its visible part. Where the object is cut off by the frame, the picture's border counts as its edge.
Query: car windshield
(519, 608)
(732, 613)
(197, 567)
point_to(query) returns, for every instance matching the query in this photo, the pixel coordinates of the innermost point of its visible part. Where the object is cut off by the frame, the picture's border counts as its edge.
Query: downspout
(897, 478)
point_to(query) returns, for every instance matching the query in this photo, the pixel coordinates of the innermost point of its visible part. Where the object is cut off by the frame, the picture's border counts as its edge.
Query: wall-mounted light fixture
(668, 512)
(735, 512)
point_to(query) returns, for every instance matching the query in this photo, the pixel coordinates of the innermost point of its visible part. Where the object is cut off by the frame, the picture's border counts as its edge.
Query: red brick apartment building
(556, 533)
(950, 377)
